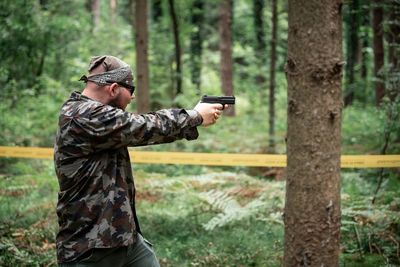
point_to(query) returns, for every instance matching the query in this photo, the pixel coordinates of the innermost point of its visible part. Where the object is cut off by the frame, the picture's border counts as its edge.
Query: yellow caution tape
(213, 159)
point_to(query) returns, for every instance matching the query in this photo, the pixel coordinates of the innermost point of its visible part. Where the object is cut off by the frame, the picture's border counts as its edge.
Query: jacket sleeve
(106, 127)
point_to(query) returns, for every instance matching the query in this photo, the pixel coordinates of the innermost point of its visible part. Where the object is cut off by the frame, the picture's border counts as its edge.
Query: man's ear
(113, 90)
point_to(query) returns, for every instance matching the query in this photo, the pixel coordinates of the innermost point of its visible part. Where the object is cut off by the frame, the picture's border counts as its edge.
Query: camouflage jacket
(96, 202)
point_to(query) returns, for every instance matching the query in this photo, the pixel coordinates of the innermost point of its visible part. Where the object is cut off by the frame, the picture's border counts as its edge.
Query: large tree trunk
(271, 107)
(377, 21)
(352, 50)
(142, 63)
(225, 46)
(314, 72)
(175, 30)
(196, 40)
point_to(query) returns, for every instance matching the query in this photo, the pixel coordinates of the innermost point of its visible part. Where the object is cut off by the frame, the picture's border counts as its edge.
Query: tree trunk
(260, 48)
(113, 10)
(225, 46)
(366, 22)
(394, 33)
(352, 50)
(377, 21)
(196, 40)
(95, 10)
(175, 30)
(142, 64)
(156, 10)
(394, 50)
(271, 108)
(314, 72)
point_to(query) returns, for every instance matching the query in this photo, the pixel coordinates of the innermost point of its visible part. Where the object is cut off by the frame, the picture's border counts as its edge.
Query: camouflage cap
(107, 69)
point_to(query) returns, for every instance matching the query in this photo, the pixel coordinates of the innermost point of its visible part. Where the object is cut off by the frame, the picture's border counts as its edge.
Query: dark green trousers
(140, 254)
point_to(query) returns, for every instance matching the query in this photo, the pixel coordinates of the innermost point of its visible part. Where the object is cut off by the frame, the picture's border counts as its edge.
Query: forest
(314, 80)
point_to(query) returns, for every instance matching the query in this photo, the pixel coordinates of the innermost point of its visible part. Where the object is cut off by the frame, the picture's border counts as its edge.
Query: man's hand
(209, 112)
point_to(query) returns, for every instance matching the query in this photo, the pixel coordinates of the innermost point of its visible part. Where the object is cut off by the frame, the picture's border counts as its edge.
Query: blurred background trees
(190, 49)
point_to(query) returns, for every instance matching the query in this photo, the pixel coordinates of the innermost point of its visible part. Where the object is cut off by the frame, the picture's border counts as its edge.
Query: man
(96, 211)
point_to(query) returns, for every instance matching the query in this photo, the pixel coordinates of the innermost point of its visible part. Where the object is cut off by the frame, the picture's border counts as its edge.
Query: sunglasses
(131, 88)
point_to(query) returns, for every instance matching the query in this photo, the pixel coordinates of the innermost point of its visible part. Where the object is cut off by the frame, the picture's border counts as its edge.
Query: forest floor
(216, 218)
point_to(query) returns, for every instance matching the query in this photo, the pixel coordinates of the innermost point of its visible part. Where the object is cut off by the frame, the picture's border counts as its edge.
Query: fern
(230, 209)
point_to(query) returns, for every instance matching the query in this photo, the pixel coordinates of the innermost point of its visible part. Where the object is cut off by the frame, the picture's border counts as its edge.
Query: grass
(175, 214)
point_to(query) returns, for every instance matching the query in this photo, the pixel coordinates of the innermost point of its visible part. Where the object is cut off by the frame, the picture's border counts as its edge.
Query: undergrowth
(213, 218)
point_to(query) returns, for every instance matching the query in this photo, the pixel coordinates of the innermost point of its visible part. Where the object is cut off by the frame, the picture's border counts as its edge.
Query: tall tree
(352, 43)
(177, 42)
(142, 62)
(377, 25)
(258, 10)
(225, 46)
(113, 9)
(394, 50)
(271, 106)
(156, 10)
(366, 22)
(196, 41)
(314, 72)
(95, 12)
(260, 42)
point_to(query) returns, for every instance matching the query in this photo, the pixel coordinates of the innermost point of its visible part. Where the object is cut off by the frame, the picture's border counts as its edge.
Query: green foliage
(370, 232)
(188, 218)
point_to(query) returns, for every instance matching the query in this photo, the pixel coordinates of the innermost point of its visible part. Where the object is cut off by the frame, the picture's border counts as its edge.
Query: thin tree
(366, 22)
(95, 12)
(225, 47)
(175, 30)
(260, 42)
(142, 63)
(394, 50)
(196, 41)
(272, 84)
(157, 11)
(353, 44)
(314, 71)
(113, 10)
(377, 25)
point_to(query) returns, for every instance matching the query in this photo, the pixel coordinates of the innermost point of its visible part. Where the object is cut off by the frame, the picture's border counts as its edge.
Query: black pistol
(230, 100)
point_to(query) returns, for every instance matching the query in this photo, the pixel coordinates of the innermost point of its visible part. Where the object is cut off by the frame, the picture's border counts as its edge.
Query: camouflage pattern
(96, 202)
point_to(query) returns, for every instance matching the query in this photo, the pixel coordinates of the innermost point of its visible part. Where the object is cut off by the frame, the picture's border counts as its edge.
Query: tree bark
(175, 30)
(314, 71)
(142, 63)
(225, 46)
(271, 107)
(377, 21)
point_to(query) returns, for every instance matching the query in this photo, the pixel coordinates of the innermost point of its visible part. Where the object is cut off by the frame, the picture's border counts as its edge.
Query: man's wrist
(196, 117)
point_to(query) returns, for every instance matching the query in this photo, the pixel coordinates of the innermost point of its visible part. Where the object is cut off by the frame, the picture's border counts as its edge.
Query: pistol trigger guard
(223, 106)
